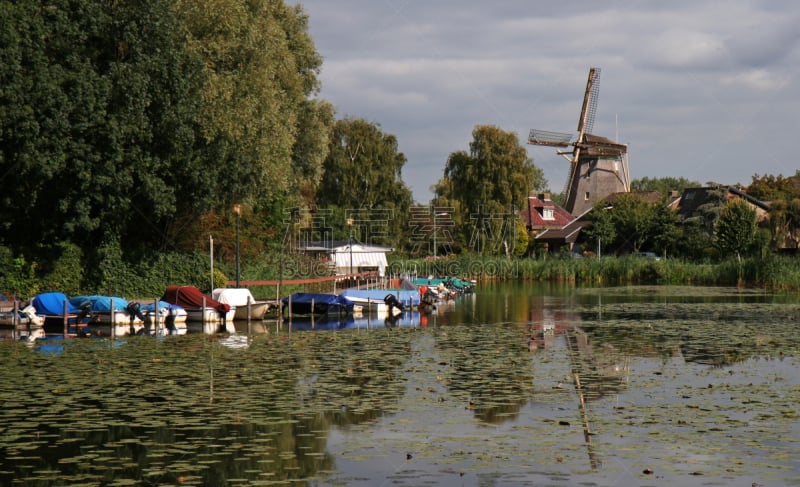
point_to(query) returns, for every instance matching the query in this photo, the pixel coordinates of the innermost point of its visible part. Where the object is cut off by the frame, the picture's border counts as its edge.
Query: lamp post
(237, 208)
(350, 244)
(434, 230)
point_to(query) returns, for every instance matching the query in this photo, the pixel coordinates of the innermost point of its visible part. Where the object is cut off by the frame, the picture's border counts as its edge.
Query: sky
(705, 90)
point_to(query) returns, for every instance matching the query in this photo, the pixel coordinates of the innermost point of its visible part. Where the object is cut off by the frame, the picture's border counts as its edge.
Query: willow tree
(487, 185)
(363, 177)
(258, 119)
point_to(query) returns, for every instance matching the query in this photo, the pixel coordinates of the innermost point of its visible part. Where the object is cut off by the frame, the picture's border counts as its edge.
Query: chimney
(544, 196)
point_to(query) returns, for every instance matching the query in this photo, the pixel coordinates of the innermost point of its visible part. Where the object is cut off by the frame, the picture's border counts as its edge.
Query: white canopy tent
(359, 258)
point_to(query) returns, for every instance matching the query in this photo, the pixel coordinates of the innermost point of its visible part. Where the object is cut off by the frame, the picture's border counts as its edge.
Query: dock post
(113, 321)
(66, 321)
(249, 328)
(155, 315)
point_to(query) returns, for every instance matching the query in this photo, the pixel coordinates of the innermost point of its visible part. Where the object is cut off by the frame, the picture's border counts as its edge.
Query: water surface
(514, 385)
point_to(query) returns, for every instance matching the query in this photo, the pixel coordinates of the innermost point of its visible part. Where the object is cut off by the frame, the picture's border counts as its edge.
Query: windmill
(598, 165)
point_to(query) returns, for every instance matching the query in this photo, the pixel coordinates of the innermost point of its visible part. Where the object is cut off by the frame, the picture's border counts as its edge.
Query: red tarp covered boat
(191, 299)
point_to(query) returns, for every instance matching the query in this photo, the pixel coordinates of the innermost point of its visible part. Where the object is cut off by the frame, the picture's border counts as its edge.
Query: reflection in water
(515, 384)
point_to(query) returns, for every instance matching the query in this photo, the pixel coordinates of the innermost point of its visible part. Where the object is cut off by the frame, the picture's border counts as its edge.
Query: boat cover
(52, 304)
(323, 303)
(100, 304)
(407, 297)
(151, 307)
(233, 296)
(191, 297)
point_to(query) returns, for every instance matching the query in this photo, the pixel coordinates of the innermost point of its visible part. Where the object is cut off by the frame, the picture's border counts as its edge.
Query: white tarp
(363, 258)
(233, 296)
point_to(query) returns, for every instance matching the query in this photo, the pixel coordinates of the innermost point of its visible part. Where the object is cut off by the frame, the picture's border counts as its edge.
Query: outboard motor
(86, 312)
(392, 302)
(134, 311)
(169, 322)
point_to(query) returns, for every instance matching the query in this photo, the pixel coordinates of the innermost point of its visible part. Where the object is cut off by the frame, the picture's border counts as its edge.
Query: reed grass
(775, 272)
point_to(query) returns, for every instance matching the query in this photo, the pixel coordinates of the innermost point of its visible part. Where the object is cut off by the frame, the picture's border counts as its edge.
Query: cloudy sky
(706, 90)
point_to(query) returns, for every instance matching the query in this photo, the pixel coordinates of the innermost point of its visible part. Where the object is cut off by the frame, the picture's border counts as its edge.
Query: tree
(363, 174)
(487, 183)
(97, 122)
(261, 68)
(736, 229)
(663, 185)
(774, 188)
(666, 230)
(633, 220)
(602, 232)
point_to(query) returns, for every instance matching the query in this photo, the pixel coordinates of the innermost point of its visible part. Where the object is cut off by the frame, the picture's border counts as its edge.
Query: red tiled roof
(543, 213)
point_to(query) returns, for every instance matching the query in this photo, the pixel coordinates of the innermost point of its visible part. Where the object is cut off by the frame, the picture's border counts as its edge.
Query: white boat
(209, 315)
(25, 317)
(241, 298)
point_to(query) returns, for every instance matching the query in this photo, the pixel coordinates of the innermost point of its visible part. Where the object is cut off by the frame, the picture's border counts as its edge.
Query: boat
(168, 316)
(198, 306)
(241, 299)
(317, 304)
(20, 313)
(446, 286)
(105, 312)
(60, 316)
(382, 300)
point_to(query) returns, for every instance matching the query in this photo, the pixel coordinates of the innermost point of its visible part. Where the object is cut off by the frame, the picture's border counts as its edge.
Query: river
(516, 384)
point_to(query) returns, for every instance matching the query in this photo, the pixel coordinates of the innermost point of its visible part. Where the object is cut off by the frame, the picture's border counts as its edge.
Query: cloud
(694, 88)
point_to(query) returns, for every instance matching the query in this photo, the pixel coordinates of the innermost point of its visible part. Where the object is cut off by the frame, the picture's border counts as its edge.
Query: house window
(586, 196)
(547, 214)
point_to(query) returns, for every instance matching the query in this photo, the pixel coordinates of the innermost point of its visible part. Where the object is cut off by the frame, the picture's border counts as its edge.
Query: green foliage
(603, 230)
(774, 272)
(736, 229)
(665, 185)
(522, 240)
(490, 181)
(363, 175)
(67, 271)
(17, 276)
(128, 121)
(774, 188)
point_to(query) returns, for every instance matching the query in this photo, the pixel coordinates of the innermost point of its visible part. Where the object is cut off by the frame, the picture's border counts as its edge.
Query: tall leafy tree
(633, 219)
(736, 229)
(602, 232)
(96, 118)
(488, 183)
(363, 173)
(261, 66)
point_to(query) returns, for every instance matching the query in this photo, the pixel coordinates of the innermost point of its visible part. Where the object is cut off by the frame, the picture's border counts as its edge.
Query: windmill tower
(598, 166)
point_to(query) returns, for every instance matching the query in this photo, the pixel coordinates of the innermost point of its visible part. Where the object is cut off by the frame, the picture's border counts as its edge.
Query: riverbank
(774, 272)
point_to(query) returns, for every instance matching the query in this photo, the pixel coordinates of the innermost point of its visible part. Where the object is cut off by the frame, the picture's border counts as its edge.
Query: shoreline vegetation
(150, 279)
(772, 272)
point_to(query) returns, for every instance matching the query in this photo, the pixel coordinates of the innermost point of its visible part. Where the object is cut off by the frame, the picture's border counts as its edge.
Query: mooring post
(113, 321)
(66, 320)
(156, 312)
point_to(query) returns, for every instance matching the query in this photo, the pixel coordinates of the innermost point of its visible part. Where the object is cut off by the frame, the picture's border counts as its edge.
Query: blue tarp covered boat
(52, 304)
(100, 304)
(317, 304)
(406, 297)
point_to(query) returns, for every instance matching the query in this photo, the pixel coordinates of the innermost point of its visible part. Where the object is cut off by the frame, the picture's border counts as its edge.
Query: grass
(774, 272)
